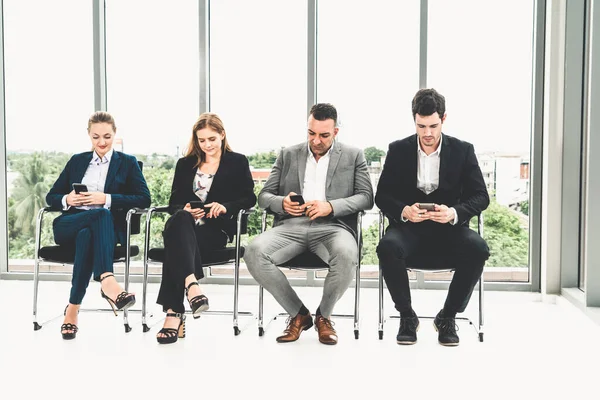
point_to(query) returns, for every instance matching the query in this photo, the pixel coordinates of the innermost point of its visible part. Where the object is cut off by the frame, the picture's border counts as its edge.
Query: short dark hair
(427, 102)
(324, 111)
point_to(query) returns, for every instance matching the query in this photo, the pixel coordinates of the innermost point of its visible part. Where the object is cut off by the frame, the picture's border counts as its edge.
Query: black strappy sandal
(171, 334)
(123, 301)
(68, 327)
(199, 303)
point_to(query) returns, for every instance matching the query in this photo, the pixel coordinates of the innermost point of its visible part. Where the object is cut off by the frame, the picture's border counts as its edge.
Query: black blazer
(124, 182)
(232, 186)
(461, 183)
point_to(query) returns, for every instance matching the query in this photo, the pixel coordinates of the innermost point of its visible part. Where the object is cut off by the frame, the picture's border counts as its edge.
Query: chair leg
(481, 308)
(36, 274)
(380, 293)
(236, 288)
(261, 294)
(145, 327)
(357, 302)
(126, 285)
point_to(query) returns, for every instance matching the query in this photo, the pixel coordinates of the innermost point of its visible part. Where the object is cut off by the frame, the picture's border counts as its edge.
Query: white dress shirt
(95, 179)
(428, 173)
(315, 176)
(428, 169)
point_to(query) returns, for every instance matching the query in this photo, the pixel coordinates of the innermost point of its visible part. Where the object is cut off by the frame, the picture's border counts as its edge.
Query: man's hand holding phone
(442, 214)
(317, 209)
(415, 213)
(293, 204)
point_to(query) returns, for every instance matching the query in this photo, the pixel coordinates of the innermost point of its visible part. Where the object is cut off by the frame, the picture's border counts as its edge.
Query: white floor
(532, 349)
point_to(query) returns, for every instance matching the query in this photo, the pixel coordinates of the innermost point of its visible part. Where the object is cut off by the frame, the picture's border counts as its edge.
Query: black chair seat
(306, 260)
(66, 254)
(219, 256)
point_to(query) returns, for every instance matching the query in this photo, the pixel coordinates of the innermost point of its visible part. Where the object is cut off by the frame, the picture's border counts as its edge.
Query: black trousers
(92, 233)
(463, 248)
(185, 242)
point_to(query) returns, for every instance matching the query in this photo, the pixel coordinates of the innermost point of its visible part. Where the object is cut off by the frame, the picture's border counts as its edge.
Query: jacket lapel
(334, 158)
(301, 162)
(412, 160)
(445, 156)
(219, 175)
(115, 163)
(81, 167)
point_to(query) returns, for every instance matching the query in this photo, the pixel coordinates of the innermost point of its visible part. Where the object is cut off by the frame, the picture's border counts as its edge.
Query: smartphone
(79, 187)
(427, 206)
(197, 204)
(297, 198)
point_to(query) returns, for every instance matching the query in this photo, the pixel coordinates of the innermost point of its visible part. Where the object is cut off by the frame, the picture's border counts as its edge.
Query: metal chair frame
(355, 316)
(478, 329)
(38, 259)
(244, 213)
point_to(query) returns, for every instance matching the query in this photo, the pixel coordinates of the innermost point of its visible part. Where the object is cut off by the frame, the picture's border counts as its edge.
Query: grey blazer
(348, 187)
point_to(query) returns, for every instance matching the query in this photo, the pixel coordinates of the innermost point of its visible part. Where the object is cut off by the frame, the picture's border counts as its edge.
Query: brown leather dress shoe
(327, 334)
(295, 327)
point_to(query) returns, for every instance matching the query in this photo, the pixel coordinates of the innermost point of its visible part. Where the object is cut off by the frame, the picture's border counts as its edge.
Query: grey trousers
(329, 240)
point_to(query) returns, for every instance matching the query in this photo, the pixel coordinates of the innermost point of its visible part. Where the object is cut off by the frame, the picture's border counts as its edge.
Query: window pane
(485, 72)
(258, 79)
(152, 70)
(49, 97)
(258, 72)
(368, 67)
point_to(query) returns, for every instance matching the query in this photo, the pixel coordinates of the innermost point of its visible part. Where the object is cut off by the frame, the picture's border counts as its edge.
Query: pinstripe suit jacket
(124, 182)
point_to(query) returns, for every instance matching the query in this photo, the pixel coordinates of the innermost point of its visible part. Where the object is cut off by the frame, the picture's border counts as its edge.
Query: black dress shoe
(407, 334)
(446, 328)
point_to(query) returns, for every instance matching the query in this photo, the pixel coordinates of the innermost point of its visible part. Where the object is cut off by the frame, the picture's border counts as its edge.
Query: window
(368, 67)
(152, 70)
(258, 72)
(49, 84)
(485, 72)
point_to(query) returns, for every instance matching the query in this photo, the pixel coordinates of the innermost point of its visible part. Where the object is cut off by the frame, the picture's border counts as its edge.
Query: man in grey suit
(335, 186)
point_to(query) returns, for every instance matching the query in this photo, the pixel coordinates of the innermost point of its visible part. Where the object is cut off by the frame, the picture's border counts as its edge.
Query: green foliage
(30, 191)
(159, 181)
(505, 230)
(263, 160)
(370, 240)
(506, 236)
(373, 154)
(255, 219)
(525, 207)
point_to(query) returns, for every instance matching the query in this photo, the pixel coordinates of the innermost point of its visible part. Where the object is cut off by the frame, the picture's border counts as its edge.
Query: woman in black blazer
(211, 185)
(93, 221)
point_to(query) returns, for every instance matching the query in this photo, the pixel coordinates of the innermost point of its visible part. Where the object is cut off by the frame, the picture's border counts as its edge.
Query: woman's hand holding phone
(73, 199)
(93, 198)
(214, 209)
(197, 213)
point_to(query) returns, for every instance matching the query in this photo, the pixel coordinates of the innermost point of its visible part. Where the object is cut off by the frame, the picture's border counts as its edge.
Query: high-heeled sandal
(199, 303)
(68, 327)
(123, 301)
(170, 334)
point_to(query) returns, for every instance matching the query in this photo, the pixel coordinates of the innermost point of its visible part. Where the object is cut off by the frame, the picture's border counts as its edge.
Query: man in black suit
(431, 167)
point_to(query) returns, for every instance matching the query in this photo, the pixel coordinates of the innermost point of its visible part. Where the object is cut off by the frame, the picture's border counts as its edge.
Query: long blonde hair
(206, 120)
